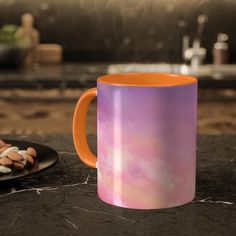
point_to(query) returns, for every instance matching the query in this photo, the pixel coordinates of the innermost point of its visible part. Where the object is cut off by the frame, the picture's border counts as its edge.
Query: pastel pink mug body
(146, 139)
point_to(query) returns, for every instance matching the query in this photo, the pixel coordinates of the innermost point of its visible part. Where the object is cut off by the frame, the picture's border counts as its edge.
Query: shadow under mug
(146, 138)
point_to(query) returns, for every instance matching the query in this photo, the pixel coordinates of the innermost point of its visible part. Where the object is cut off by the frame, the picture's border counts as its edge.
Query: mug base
(176, 204)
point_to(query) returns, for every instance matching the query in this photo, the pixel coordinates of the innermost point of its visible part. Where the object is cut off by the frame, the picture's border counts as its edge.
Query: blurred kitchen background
(52, 50)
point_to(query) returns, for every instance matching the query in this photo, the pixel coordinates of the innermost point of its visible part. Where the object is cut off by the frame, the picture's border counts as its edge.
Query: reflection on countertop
(82, 75)
(200, 71)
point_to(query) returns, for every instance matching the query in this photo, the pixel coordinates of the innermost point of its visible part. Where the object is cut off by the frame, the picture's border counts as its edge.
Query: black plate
(46, 157)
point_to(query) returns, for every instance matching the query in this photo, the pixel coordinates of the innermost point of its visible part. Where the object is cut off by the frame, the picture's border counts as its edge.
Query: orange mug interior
(147, 79)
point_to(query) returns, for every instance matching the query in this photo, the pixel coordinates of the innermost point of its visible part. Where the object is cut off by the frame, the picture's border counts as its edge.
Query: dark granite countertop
(63, 200)
(83, 75)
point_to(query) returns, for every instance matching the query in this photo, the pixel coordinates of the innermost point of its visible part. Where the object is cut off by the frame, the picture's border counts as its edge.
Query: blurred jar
(221, 50)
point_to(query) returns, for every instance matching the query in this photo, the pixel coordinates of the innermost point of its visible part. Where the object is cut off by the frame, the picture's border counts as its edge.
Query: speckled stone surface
(63, 199)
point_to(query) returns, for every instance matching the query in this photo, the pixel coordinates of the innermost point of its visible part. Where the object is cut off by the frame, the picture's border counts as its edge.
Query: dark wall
(124, 30)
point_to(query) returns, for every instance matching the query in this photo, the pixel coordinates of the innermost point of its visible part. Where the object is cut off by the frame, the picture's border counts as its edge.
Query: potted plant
(13, 50)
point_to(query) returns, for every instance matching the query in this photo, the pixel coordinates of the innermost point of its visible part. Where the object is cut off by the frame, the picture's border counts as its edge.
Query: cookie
(12, 157)
(32, 152)
(8, 150)
(15, 156)
(2, 143)
(8, 145)
(6, 162)
(30, 159)
(18, 166)
(3, 149)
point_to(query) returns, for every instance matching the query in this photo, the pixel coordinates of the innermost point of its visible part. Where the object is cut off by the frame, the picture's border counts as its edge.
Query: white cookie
(4, 170)
(24, 154)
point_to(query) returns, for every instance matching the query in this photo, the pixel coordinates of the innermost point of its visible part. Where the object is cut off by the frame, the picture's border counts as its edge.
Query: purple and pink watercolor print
(146, 145)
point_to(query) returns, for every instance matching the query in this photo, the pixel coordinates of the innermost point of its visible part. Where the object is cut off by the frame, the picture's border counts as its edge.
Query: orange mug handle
(79, 128)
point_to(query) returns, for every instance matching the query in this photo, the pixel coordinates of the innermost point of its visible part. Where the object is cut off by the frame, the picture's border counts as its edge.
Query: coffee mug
(146, 139)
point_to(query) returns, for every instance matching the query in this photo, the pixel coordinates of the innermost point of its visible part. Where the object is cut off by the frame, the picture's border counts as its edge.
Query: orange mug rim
(147, 79)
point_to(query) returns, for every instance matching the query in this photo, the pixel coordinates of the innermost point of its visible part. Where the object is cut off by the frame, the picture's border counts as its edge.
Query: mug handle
(79, 128)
